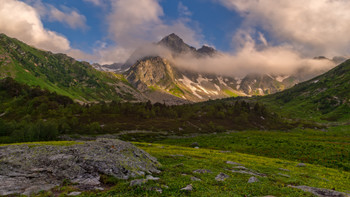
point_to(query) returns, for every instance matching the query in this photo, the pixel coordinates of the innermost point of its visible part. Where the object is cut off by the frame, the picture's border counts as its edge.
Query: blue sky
(264, 34)
(214, 22)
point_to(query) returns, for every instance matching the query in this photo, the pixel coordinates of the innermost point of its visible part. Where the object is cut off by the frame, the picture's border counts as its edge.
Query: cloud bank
(23, 22)
(134, 23)
(314, 27)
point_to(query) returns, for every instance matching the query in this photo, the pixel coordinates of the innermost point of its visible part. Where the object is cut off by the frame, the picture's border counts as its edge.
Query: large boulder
(26, 169)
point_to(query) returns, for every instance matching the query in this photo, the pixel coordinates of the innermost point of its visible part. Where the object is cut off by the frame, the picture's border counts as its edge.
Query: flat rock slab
(221, 177)
(253, 180)
(202, 171)
(321, 192)
(248, 172)
(27, 169)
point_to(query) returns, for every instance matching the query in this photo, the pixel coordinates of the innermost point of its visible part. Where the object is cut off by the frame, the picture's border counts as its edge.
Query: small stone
(74, 194)
(150, 177)
(282, 169)
(284, 175)
(240, 167)
(157, 189)
(301, 165)
(179, 165)
(165, 186)
(178, 155)
(184, 174)
(187, 188)
(99, 188)
(253, 180)
(233, 163)
(196, 147)
(194, 144)
(202, 171)
(138, 182)
(195, 179)
(221, 177)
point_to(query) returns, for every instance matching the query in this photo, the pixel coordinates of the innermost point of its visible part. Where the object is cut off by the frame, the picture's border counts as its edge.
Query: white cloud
(133, 23)
(183, 10)
(315, 27)
(96, 2)
(279, 60)
(22, 21)
(67, 16)
(70, 17)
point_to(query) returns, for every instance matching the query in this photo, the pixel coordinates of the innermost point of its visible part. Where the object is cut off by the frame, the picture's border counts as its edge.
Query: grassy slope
(177, 170)
(325, 97)
(55, 72)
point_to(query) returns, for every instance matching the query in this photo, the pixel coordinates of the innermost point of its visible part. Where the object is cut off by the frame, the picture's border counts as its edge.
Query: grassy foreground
(179, 160)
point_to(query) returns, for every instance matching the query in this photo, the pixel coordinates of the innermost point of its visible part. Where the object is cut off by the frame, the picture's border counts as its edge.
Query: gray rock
(28, 169)
(301, 165)
(284, 175)
(187, 188)
(240, 168)
(233, 163)
(74, 194)
(221, 177)
(157, 189)
(201, 171)
(196, 147)
(138, 182)
(178, 155)
(150, 177)
(248, 172)
(282, 169)
(194, 144)
(195, 179)
(253, 180)
(321, 192)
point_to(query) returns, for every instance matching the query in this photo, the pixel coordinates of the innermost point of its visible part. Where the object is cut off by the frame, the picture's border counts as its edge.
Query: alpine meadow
(174, 98)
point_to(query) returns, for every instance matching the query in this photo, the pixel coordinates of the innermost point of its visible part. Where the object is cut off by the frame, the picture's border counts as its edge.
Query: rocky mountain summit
(27, 169)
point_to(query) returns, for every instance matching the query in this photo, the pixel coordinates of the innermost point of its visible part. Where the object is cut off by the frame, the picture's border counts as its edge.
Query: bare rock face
(27, 169)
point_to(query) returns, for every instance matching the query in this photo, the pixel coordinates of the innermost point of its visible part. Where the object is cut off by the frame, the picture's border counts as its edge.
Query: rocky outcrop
(26, 169)
(321, 192)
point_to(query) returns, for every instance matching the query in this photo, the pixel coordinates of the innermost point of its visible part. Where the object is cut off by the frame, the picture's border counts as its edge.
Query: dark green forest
(32, 114)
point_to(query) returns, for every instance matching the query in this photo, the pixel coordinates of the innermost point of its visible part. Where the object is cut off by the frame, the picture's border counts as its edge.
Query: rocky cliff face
(27, 169)
(157, 74)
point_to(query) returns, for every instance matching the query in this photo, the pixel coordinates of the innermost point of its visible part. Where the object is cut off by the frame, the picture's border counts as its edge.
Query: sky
(107, 31)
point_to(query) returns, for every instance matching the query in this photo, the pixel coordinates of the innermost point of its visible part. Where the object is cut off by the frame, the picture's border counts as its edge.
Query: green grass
(177, 171)
(230, 93)
(330, 149)
(179, 160)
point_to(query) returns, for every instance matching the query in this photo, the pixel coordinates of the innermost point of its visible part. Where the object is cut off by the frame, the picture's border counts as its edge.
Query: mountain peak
(176, 44)
(207, 50)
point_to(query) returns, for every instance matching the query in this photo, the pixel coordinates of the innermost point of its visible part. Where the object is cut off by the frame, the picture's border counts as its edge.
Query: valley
(206, 134)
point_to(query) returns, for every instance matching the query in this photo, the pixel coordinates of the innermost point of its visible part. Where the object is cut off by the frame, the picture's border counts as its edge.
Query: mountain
(176, 44)
(157, 75)
(115, 67)
(178, 47)
(61, 73)
(324, 97)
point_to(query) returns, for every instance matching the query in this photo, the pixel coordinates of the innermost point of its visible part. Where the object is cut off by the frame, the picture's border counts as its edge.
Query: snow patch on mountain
(281, 78)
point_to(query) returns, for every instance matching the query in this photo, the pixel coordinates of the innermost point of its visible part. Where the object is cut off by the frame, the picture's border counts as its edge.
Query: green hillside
(57, 72)
(324, 98)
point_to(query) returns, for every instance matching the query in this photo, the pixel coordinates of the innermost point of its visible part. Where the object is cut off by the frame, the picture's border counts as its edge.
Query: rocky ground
(27, 169)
